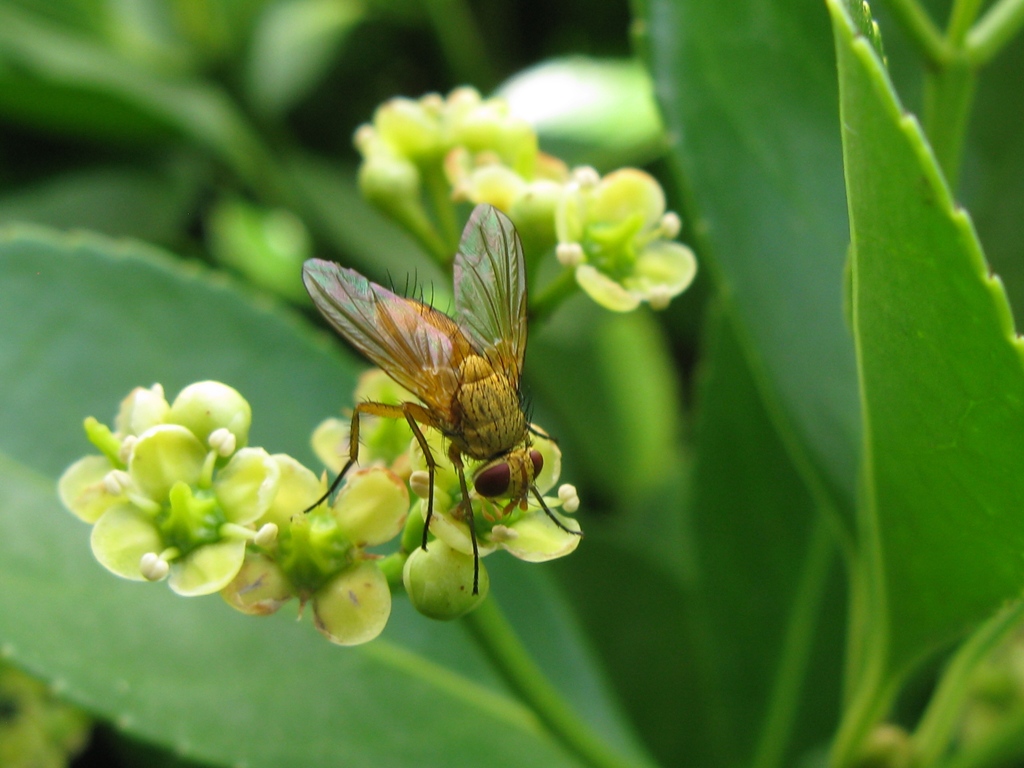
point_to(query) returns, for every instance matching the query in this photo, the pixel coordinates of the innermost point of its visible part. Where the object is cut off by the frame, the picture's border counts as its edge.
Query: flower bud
(439, 581)
(354, 606)
(209, 405)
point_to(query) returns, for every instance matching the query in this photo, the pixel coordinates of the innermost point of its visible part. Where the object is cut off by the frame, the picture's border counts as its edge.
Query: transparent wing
(414, 344)
(490, 290)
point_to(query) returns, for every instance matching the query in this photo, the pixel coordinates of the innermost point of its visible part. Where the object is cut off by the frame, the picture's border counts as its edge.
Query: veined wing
(414, 344)
(490, 290)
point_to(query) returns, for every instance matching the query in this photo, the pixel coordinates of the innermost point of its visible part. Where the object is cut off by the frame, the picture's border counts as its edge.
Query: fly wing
(413, 343)
(490, 290)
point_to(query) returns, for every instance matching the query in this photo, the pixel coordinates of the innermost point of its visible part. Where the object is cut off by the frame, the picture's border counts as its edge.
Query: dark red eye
(494, 480)
(538, 462)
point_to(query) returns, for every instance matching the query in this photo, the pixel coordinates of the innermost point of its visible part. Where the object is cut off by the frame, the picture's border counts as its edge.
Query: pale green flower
(615, 233)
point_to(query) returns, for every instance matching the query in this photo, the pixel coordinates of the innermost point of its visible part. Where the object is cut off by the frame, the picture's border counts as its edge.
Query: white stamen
(586, 176)
(570, 254)
(569, 498)
(671, 225)
(266, 535)
(127, 446)
(363, 137)
(659, 297)
(153, 567)
(501, 533)
(116, 482)
(432, 102)
(223, 441)
(419, 483)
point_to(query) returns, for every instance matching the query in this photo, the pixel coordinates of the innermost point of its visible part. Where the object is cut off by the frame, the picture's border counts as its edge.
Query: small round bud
(439, 582)
(419, 483)
(209, 405)
(259, 588)
(353, 607)
(153, 567)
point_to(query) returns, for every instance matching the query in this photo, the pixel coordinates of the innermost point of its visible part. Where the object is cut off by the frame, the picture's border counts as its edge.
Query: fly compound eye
(493, 480)
(538, 462)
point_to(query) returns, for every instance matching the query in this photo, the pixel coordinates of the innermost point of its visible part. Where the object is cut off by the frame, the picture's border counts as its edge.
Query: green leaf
(942, 380)
(748, 95)
(152, 204)
(763, 562)
(293, 44)
(82, 322)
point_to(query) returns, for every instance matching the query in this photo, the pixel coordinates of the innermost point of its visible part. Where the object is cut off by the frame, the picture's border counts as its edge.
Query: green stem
(922, 31)
(461, 41)
(948, 97)
(554, 293)
(961, 18)
(936, 729)
(995, 29)
(796, 650)
(498, 640)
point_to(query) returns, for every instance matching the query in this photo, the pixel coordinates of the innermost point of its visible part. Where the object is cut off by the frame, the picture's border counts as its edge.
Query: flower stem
(937, 726)
(498, 639)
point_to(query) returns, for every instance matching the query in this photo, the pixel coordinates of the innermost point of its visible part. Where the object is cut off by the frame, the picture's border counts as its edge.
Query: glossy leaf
(748, 95)
(942, 378)
(83, 321)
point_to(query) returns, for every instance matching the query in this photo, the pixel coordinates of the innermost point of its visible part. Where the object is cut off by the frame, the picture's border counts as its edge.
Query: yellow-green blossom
(615, 233)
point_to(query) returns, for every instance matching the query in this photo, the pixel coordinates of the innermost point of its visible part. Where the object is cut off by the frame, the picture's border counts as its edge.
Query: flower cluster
(612, 231)
(175, 493)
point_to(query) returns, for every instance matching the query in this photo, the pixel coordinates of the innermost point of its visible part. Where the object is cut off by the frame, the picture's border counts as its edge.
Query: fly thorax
(492, 418)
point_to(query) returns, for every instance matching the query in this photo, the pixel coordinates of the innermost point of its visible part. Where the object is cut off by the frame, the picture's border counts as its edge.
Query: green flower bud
(259, 588)
(209, 405)
(410, 128)
(163, 456)
(353, 607)
(371, 506)
(83, 490)
(439, 581)
(142, 409)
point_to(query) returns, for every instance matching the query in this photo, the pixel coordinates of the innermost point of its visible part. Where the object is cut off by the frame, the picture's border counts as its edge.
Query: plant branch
(498, 639)
(995, 29)
(923, 32)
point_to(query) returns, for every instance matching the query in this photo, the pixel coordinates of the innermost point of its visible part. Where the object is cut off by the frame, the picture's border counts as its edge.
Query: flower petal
(164, 455)
(246, 487)
(372, 506)
(207, 569)
(142, 409)
(624, 193)
(120, 538)
(83, 491)
(538, 539)
(297, 489)
(605, 291)
(454, 533)
(206, 406)
(664, 267)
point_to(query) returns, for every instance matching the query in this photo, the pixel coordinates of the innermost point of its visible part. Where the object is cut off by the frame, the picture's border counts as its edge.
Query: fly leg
(456, 459)
(555, 520)
(412, 413)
